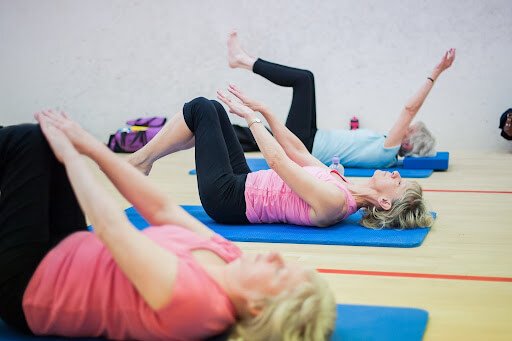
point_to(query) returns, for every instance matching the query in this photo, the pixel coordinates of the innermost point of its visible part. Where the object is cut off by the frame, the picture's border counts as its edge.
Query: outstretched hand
(446, 61)
(254, 105)
(235, 105)
(80, 138)
(60, 144)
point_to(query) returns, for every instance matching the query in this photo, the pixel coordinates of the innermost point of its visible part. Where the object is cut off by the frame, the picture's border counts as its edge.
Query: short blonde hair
(307, 312)
(407, 212)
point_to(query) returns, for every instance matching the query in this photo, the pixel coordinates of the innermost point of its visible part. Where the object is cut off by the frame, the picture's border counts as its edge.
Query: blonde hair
(407, 212)
(307, 312)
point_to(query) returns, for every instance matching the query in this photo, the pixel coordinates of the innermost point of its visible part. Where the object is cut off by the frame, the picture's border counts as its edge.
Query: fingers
(453, 53)
(222, 97)
(450, 54)
(52, 118)
(58, 117)
(236, 93)
(234, 87)
(228, 100)
(46, 125)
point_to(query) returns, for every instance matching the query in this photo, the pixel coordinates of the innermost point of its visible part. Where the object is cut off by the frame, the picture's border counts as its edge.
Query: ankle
(247, 62)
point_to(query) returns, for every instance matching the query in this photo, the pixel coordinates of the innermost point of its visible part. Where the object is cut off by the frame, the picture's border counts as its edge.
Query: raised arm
(147, 198)
(398, 131)
(326, 201)
(149, 267)
(291, 144)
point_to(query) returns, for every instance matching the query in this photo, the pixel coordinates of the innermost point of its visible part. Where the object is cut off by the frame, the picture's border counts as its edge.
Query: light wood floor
(472, 236)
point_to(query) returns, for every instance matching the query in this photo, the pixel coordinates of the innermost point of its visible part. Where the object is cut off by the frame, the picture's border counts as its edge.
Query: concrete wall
(107, 61)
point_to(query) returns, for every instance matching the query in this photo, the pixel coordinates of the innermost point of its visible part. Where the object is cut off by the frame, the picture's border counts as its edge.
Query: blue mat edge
(421, 317)
(260, 164)
(132, 211)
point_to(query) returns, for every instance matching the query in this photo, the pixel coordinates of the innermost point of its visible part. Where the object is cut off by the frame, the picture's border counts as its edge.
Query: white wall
(107, 61)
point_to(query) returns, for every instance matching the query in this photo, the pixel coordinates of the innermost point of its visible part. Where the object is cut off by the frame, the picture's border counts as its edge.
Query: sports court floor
(461, 274)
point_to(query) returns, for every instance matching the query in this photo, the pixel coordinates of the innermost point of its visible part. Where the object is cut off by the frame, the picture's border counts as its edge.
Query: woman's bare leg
(237, 56)
(301, 120)
(174, 136)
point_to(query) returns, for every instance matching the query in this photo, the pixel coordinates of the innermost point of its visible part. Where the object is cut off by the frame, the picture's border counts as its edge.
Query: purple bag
(155, 121)
(130, 141)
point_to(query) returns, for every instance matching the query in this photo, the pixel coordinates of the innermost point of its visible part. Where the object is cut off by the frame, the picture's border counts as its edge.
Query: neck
(221, 275)
(363, 194)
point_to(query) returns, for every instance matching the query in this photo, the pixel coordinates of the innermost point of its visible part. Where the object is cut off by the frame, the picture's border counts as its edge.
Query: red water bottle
(354, 123)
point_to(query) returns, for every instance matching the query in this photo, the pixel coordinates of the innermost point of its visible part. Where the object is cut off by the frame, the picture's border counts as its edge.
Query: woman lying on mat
(298, 189)
(176, 280)
(356, 148)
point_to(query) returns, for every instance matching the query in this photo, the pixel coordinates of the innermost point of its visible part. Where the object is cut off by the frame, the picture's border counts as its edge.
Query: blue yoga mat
(348, 232)
(261, 164)
(438, 162)
(354, 322)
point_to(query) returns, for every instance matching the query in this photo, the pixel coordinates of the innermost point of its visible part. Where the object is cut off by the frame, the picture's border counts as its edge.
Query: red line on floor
(466, 191)
(416, 275)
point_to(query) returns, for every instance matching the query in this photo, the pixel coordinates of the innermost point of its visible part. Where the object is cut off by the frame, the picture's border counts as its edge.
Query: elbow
(275, 158)
(411, 110)
(164, 214)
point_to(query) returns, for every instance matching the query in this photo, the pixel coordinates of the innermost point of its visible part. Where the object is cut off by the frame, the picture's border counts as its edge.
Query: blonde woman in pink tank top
(175, 280)
(298, 189)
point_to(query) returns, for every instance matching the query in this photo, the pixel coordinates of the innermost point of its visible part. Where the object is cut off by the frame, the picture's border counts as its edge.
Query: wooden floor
(472, 236)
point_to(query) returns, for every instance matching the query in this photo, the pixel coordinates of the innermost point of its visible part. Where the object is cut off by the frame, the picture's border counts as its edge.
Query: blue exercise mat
(354, 322)
(348, 232)
(261, 164)
(438, 162)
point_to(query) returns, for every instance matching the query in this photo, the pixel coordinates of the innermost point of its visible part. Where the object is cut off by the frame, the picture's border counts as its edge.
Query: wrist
(252, 122)
(262, 109)
(250, 117)
(434, 75)
(92, 148)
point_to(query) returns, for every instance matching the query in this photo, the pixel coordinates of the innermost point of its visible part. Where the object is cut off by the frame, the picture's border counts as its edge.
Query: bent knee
(200, 102)
(202, 106)
(26, 133)
(25, 138)
(307, 75)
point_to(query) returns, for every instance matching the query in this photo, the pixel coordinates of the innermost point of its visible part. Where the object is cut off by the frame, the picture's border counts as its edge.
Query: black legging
(302, 115)
(37, 210)
(220, 161)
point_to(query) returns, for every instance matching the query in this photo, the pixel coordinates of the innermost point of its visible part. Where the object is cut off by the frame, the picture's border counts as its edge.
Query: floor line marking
(416, 275)
(466, 191)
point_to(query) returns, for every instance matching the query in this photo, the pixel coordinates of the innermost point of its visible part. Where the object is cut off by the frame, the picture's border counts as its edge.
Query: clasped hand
(241, 105)
(66, 137)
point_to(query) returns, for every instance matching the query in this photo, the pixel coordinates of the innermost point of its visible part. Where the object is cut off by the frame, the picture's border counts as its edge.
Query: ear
(254, 307)
(384, 202)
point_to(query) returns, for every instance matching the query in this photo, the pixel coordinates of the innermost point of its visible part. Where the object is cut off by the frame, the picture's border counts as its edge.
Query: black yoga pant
(302, 115)
(37, 210)
(220, 161)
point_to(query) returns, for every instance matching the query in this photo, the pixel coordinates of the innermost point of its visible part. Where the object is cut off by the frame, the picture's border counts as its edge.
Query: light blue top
(361, 148)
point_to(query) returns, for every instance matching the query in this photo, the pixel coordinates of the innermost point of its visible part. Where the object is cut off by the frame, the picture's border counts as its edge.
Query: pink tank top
(269, 199)
(78, 290)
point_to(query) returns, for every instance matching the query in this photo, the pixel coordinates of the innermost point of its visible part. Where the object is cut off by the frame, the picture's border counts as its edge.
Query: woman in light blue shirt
(356, 148)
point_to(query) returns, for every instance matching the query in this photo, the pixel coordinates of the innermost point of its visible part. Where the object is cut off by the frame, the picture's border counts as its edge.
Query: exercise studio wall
(108, 61)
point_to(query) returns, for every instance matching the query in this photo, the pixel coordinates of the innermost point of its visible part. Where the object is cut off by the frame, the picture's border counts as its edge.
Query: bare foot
(237, 57)
(136, 161)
